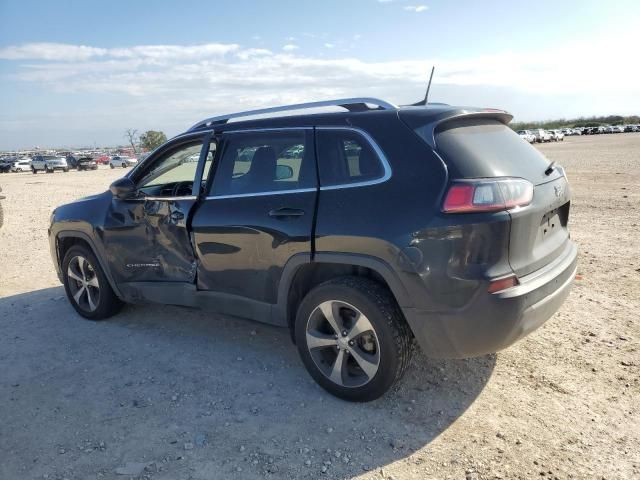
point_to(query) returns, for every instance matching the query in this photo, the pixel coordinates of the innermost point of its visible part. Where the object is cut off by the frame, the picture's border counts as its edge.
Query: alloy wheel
(83, 283)
(343, 343)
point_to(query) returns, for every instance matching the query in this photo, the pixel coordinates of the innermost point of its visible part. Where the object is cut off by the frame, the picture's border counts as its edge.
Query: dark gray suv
(359, 230)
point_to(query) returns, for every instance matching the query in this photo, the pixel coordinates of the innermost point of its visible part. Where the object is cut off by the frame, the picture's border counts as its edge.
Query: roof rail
(351, 104)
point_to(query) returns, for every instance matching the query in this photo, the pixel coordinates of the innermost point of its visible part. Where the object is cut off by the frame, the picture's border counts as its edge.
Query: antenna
(426, 96)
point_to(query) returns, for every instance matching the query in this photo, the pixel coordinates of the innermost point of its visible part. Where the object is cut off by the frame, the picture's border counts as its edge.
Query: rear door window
(346, 157)
(263, 162)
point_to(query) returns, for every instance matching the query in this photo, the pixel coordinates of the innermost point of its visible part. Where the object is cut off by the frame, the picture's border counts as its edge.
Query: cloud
(416, 8)
(329, 45)
(51, 51)
(174, 85)
(72, 53)
(290, 47)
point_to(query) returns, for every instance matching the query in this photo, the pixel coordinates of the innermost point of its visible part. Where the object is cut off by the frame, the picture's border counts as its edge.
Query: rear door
(479, 148)
(259, 212)
(146, 237)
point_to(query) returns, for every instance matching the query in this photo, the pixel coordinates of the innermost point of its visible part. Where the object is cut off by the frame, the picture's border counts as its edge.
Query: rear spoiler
(447, 116)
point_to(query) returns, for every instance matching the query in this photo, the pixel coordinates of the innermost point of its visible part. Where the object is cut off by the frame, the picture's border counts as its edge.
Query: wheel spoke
(330, 312)
(73, 274)
(92, 305)
(361, 325)
(81, 263)
(367, 362)
(78, 294)
(94, 281)
(336, 371)
(316, 339)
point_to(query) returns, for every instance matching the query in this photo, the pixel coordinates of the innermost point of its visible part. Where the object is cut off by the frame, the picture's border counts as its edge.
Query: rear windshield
(475, 148)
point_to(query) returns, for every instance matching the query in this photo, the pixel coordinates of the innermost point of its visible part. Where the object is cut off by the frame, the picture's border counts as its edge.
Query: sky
(79, 73)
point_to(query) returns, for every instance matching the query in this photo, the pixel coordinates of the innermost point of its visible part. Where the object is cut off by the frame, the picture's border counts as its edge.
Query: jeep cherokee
(359, 230)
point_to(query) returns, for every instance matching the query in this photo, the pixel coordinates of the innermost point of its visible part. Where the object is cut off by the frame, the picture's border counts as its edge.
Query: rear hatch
(484, 148)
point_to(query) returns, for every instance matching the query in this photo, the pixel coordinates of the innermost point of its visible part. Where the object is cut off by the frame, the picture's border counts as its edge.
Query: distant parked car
(86, 163)
(617, 129)
(527, 136)
(541, 135)
(5, 165)
(629, 128)
(72, 161)
(103, 159)
(21, 166)
(49, 164)
(122, 162)
(557, 135)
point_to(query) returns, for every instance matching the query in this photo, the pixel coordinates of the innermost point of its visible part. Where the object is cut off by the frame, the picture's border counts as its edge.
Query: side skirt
(187, 295)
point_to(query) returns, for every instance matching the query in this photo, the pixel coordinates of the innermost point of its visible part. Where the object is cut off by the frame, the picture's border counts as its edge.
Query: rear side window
(474, 148)
(346, 157)
(264, 162)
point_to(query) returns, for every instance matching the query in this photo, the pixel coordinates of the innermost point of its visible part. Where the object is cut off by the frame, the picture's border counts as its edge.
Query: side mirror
(123, 187)
(283, 172)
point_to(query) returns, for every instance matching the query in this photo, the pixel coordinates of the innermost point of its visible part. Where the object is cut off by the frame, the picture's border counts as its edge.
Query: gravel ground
(171, 393)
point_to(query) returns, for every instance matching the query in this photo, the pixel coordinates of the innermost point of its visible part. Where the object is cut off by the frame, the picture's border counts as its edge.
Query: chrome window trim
(155, 198)
(261, 194)
(376, 148)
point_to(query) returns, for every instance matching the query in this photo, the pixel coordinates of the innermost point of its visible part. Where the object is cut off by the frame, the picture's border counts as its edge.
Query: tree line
(578, 122)
(146, 142)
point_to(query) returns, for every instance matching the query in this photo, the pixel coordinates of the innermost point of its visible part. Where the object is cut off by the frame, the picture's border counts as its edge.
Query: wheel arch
(300, 276)
(68, 238)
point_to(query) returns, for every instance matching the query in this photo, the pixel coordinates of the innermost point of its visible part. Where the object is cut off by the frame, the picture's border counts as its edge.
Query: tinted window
(345, 157)
(265, 162)
(488, 148)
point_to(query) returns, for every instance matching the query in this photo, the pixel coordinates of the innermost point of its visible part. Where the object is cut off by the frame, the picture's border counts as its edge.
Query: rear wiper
(550, 168)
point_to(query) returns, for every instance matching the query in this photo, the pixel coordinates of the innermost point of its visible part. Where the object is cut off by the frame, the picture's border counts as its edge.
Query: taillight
(487, 195)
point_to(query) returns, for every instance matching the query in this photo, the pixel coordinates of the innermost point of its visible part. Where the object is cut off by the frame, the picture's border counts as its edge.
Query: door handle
(176, 216)
(286, 212)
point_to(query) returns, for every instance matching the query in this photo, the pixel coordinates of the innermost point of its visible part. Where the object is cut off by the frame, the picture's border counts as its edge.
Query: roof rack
(351, 104)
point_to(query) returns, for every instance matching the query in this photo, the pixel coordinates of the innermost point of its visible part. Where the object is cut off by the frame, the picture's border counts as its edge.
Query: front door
(146, 236)
(258, 214)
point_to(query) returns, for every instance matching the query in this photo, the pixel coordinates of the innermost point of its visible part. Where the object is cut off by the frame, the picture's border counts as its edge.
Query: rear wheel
(111, 165)
(124, 165)
(86, 285)
(352, 338)
(33, 170)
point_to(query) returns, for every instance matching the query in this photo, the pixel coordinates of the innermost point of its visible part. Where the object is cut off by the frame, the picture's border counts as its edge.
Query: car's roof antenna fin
(426, 96)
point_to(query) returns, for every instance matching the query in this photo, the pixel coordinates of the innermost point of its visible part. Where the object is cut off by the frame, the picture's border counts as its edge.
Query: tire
(111, 165)
(34, 171)
(95, 297)
(383, 342)
(65, 170)
(19, 170)
(124, 165)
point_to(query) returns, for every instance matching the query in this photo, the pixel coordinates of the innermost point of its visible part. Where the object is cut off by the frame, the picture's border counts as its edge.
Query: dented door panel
(148, 240)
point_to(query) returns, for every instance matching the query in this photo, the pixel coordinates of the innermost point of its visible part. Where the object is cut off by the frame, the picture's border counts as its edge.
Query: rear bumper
(492, 322)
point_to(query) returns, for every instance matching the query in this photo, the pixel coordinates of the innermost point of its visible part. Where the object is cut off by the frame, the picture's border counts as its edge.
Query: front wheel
(124, 165)
(353, 338)
(111, 165)
(34, 171)
(87, 286)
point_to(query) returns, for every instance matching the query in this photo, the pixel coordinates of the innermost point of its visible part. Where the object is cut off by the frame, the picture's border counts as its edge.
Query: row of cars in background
(539, 135)
(52, 163)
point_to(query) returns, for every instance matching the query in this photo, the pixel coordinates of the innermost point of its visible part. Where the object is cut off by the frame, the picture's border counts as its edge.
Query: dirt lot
(170, 393)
